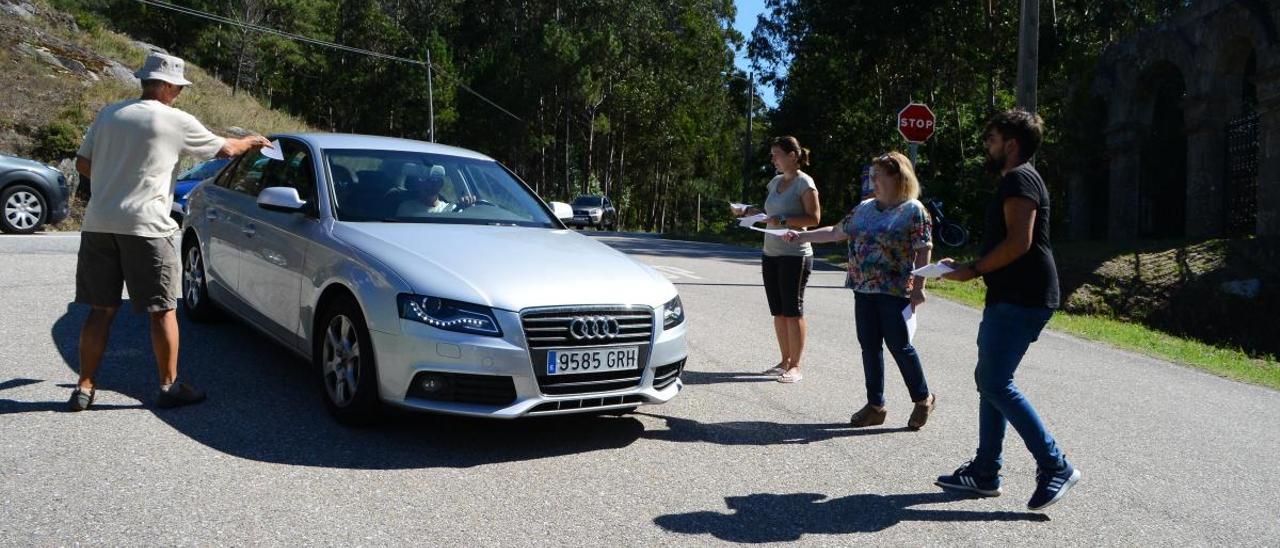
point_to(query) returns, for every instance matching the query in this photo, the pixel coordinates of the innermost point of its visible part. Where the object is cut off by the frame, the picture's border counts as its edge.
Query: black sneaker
(80, 400)
(1052, 486)
(180, 394)
(966, 479)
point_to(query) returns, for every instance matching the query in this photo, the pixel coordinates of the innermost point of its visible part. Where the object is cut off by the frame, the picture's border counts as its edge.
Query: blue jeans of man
(879, 318)
(1006, 332)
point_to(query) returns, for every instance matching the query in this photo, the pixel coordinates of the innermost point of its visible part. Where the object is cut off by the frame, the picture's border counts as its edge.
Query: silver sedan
(428, 277)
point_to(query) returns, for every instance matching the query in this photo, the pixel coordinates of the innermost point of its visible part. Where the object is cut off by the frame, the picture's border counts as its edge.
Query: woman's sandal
(791, 376)
(868, 416)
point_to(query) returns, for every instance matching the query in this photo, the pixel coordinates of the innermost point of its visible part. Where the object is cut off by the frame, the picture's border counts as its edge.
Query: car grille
(464, 388)
(664, 375)
(545, 329)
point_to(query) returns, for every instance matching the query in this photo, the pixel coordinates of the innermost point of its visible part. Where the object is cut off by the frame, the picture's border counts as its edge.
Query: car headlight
(672, 313)
(597, 212)
(449, 315)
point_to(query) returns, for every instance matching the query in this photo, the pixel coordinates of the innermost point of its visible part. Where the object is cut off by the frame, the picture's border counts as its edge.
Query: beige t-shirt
(789, 202)
(133, 147)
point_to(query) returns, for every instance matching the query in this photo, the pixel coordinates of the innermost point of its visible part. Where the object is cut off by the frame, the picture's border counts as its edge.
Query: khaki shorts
(149, 267)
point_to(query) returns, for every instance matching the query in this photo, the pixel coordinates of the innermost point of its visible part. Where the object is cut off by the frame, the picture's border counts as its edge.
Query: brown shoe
(868, 416)
(920, 415)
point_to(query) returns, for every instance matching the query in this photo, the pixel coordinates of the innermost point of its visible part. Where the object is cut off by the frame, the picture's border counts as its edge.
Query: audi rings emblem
(593, 328)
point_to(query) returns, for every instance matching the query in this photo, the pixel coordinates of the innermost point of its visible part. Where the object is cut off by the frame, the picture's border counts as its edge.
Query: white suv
(428, 277)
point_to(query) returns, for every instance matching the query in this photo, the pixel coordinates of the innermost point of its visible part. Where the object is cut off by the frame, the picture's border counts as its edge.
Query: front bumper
(487, 362)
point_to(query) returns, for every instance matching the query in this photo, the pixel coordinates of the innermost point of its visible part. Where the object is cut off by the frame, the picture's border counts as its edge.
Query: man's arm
(82, 166)
(1020, 220)
(235, 147)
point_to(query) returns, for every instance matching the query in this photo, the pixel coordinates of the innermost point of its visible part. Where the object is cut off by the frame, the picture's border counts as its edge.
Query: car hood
(510, 268)
(15, 162)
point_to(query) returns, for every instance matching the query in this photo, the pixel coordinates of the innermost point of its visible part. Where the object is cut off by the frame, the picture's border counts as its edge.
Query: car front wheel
(23, 211)
(343, 353)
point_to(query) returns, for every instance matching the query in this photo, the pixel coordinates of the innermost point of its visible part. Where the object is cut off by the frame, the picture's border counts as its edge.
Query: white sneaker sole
(958, 487)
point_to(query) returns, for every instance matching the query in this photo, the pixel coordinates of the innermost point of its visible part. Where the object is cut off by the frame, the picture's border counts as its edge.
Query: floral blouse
(883, 245)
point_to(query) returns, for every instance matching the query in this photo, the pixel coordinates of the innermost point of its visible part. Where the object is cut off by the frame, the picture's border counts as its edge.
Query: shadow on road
(765, 517)
(264, 404)
(716, 377)
(756, 432)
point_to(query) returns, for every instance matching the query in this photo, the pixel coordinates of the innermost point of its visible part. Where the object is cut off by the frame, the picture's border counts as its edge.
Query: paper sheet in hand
(934, 270)
(909, 315)
(746, 222)
(774, 231)
(273, 151)
(739, 207)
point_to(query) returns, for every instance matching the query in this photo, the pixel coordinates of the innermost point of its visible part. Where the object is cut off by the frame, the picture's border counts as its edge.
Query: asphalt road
(1170, 456)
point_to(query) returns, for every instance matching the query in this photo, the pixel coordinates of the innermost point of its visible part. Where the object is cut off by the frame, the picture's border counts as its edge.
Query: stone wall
(1208, 46)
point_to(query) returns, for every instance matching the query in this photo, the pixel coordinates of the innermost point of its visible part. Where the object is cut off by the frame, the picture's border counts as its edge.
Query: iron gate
(1242, 175)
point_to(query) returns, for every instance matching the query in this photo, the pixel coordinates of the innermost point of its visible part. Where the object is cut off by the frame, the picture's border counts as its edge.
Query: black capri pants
(784, 280)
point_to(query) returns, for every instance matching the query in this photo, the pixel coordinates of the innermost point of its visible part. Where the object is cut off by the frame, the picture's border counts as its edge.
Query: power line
(308, 40)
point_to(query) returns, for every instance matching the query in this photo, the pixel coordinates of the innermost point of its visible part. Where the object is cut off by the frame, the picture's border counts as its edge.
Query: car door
(274, 243)
(610, 216)
(220, 222)
(243, 185)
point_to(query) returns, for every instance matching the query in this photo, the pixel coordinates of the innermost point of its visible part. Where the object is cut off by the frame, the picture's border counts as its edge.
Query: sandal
(868, 416)
(920, 415)
(80, 400)
(791, 376)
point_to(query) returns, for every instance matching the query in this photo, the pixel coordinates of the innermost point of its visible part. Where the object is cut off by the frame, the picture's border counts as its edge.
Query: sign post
(916, 124)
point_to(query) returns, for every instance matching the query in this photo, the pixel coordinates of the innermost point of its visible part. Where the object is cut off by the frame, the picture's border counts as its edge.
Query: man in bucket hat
(127, 238)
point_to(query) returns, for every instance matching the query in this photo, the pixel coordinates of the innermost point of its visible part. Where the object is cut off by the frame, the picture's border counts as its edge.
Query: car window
(246, 176)
(586, 201)
(204, 170)
(400, 186)
(295, 171)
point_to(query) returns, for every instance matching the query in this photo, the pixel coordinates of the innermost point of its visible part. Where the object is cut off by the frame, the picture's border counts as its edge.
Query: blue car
(188, 181)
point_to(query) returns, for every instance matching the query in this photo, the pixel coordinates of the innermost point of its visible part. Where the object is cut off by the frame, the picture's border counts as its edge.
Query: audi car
(188, 180)
(427, 277)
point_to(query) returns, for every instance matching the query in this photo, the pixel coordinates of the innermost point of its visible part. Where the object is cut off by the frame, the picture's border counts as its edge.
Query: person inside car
(424, 195)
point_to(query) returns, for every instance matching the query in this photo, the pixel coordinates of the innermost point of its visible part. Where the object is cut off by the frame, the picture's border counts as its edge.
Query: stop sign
(915, 123)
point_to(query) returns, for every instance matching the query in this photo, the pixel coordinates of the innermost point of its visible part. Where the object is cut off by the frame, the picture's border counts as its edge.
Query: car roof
(374, 142)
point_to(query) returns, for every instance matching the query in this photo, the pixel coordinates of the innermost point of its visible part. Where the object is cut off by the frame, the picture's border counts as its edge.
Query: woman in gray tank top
(792, 202)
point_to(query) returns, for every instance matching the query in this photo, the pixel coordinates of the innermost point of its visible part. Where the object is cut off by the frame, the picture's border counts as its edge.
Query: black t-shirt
(1032, 279)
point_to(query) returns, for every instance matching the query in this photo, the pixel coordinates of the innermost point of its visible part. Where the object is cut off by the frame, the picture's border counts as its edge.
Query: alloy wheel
(341, 354)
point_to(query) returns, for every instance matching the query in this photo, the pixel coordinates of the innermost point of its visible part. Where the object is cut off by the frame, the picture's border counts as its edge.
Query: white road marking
(675, 273)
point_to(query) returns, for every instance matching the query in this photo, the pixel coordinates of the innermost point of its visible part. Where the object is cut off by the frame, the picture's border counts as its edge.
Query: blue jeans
(1006, 332)
(879, 318)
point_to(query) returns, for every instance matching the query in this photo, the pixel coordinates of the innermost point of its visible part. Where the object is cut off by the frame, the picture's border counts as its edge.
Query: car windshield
(204, 170)
(588, 201)
(415, 187)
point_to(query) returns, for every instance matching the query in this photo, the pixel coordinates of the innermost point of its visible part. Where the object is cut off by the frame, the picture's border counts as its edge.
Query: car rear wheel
(23, 210)
(195, 286)
(343, 353)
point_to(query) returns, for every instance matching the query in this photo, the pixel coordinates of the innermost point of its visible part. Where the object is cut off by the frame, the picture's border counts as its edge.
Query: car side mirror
(562, 210)
(281, 198)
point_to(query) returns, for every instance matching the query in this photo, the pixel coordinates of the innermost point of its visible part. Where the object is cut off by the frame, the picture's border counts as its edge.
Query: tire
(195, 284)
(23, 209)
(952, 234)
(342, 352)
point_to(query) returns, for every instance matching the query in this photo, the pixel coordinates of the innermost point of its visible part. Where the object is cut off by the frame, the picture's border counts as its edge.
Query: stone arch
(1160, 101)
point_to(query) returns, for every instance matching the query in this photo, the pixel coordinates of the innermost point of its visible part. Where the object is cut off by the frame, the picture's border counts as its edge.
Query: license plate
(569, 362)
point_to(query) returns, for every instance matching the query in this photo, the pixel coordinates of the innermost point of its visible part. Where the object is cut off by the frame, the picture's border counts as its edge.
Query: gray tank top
(790, 204)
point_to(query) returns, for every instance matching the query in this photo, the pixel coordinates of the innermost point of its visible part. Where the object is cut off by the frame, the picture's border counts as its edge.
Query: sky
(745, 22)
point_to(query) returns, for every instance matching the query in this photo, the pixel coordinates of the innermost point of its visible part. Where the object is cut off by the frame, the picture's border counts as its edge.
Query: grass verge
(1225, 362)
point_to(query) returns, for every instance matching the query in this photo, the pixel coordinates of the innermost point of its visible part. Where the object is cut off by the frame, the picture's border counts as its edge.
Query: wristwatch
(782, 220)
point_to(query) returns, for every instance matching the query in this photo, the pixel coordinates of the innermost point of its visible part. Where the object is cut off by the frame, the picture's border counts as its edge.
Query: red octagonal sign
(915, 123)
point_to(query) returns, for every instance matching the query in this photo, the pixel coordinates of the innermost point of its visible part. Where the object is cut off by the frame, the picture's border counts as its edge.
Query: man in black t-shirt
(1022, 292)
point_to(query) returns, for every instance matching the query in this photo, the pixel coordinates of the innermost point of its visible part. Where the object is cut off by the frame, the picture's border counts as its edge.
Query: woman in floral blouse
(889, 236)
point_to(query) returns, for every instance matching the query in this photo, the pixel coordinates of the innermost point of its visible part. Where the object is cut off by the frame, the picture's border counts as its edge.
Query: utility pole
(1028, 54)
(746, 140)
(431, 101)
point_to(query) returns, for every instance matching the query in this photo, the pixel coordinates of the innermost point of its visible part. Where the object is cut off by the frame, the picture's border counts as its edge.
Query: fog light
(434, 384)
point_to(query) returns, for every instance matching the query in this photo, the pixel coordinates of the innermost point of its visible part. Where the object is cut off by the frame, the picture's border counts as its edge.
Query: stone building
(1191, 145)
